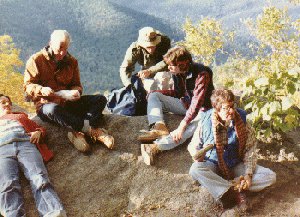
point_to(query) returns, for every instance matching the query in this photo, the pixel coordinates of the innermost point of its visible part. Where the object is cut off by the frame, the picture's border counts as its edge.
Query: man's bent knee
(49, 109)
(154, 95)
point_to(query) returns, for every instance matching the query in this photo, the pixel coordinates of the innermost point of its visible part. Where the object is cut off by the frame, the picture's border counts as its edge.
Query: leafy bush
(269, 76)
(11, 81)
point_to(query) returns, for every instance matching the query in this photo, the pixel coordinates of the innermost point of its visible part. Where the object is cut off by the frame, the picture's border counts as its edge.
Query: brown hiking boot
(79, 142)
(101, 135)
(148, 153)
(159, 129)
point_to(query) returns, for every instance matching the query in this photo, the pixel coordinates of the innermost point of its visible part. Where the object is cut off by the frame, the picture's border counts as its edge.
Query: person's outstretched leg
(11, 200)
(31, 162)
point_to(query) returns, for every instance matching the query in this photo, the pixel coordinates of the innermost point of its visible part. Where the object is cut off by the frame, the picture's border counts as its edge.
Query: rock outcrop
(118, 183)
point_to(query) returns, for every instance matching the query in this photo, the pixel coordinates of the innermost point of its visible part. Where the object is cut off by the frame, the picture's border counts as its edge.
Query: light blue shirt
(12, 131)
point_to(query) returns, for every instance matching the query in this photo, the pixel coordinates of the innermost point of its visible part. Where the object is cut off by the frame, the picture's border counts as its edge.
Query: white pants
(159, 103)
(205, 174)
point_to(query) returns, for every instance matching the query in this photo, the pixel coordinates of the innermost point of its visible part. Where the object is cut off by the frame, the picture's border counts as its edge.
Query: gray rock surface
(118, 183)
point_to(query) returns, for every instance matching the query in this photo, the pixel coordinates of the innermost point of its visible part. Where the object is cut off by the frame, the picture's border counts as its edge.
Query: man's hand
(144, 74)
(231, 114)
(243, 183)
(247, 182)
(47, 91)
(35, 137)
(177, 134)
(200, 154)
(69, 95)
(75, 95)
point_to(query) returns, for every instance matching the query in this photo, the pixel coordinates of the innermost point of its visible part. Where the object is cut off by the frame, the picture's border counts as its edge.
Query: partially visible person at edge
(233, 154)
(191, 93)
(148, 52)
(52, 82)
(19, 139)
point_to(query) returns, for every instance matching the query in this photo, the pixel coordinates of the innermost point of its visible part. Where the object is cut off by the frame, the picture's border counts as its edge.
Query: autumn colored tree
(269, 77)
(11, 81)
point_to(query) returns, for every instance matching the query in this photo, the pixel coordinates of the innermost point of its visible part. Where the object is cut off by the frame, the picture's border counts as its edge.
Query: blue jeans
(26, 156)
(73, 114)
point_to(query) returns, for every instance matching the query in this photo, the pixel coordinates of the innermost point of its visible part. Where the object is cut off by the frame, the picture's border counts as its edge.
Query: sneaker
(159, 129)
(79, 142)
(101, 135)
(148, 152)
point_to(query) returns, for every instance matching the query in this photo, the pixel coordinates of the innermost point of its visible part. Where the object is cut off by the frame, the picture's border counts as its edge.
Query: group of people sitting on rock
(223, 145)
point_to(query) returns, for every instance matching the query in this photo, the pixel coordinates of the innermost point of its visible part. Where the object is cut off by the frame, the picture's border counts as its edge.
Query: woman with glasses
(232, 153)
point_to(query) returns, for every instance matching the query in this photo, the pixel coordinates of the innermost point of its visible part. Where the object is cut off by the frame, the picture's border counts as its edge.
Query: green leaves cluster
(204, 39)
(11, 81)
(270, 93)
(270, 77)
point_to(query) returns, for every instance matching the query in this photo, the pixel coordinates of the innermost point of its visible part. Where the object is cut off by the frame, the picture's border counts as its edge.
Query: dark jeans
(73, 114)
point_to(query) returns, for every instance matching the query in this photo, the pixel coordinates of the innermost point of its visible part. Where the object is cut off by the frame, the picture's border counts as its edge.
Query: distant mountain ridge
(102, 30)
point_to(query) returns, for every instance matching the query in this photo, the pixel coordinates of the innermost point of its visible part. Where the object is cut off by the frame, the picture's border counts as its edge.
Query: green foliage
(11, 81)
(269, 77)
(204, 39)
(273, 89)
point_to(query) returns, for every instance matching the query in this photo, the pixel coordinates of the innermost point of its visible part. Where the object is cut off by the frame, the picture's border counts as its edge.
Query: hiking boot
(101, 135)
(148, 152)
(78, 140)
(159, 129)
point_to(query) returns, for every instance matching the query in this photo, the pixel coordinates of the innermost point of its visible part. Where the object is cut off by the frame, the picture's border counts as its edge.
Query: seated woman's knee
(196, 168)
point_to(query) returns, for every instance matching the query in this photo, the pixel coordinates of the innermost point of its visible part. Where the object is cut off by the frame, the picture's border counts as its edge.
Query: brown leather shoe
(159, 129)
(148, 152)
(79, 142)
(101, 135)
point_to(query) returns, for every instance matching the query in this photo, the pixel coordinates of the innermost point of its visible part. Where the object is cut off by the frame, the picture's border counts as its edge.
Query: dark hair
(6, 97)
(220, 96)
(177, 54)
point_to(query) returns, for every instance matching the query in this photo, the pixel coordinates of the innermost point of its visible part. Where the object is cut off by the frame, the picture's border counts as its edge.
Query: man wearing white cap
(148, 52)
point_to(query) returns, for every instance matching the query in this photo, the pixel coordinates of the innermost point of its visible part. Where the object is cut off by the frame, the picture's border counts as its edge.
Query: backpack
(130, 101)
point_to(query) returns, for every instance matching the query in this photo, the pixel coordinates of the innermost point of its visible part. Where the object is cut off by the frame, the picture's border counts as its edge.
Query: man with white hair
(148, 52)
(52, 82)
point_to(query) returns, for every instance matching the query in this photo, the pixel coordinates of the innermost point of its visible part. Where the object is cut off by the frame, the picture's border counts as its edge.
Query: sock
(86, 126)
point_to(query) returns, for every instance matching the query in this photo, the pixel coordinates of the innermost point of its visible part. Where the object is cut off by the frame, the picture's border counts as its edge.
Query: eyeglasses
(4, 102)
(227, 107)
